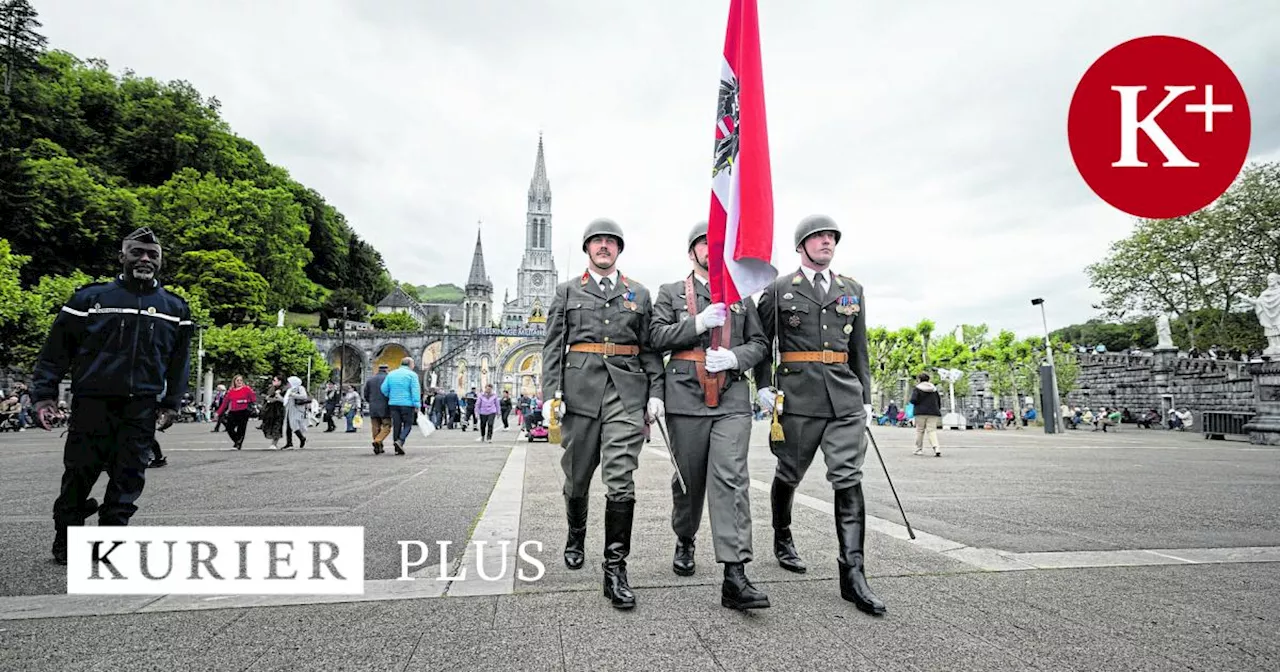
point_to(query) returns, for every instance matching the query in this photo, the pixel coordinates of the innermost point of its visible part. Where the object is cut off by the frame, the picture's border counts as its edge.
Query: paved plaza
(1136, 550)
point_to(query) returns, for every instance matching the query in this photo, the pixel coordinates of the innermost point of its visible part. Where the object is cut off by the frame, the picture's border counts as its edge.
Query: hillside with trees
(86, 156)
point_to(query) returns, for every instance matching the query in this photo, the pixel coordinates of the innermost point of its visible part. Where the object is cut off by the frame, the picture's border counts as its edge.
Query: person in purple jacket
(487, 407)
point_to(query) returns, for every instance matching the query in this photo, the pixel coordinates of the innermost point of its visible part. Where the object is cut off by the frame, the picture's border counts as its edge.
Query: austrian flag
(740, 227)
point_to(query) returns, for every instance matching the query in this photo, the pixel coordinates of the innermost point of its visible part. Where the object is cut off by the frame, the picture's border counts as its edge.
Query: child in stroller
(533, 425)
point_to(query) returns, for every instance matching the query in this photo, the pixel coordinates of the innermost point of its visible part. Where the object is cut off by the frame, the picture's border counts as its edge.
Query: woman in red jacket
(236, 407)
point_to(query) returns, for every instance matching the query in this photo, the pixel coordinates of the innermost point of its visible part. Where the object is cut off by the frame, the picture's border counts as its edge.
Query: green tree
(1204, 261)
(436, 322)
(395, 322)
(344, 298)
(232, 292)
(258, 353)
(20, 44)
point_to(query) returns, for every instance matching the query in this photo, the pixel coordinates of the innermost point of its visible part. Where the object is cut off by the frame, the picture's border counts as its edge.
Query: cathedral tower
(536, 279)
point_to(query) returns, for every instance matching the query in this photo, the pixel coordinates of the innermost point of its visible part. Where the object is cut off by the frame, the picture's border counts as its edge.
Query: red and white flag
(740, 228)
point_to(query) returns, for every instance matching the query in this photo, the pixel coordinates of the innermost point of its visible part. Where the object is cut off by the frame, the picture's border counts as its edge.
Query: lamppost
(1052, 421)
(342, 352)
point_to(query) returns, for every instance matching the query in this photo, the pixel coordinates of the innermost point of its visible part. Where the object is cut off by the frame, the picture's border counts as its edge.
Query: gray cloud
(935, 132)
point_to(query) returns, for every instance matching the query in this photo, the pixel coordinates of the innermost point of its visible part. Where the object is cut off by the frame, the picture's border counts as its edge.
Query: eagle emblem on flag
(726, 149)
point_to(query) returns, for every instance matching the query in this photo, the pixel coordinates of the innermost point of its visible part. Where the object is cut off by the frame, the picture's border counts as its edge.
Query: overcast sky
(933, 132)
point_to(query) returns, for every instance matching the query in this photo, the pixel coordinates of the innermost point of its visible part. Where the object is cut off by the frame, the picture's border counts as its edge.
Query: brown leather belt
(690, 356)
(606, 349)
(823, 356)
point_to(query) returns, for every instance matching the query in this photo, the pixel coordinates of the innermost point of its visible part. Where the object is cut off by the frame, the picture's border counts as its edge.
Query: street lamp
(1052, 421)
(342, 352)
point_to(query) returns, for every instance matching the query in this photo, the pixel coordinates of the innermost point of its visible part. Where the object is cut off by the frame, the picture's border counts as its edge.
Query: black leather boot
(737, 591)
(60, 529)
(851, 528)
(682, 564)
(576, 513)
(617, 546)
(784, 547)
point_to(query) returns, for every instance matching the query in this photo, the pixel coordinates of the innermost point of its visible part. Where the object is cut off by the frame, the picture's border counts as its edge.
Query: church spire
(539, 186)
(478, 279)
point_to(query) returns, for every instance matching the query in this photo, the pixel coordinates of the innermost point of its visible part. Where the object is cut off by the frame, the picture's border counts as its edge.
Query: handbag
(357, 421)
(254, 409)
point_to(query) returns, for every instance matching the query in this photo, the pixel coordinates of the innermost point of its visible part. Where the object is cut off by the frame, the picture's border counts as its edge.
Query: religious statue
(1267, 306)
(1164, 334)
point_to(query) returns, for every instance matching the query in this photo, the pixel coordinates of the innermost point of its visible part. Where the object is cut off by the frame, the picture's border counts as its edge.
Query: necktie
(606, 284)
(819, 285)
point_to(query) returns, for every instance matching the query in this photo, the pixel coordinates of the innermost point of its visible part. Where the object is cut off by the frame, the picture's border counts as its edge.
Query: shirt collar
(706, 282)
(809, 273)
(597, 277)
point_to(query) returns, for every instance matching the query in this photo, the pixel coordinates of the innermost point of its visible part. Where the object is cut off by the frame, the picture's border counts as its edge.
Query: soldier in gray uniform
(710, 419)
(819, 320)
(597, 359)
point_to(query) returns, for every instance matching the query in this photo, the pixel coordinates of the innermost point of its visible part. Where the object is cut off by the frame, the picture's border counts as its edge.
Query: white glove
(720, 359)
(549, 407)
(656, 408)
(767, 396)
(867, 408)
(711, 316)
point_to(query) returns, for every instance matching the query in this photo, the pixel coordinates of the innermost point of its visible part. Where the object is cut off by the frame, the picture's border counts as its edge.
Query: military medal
(794, 321)
(788, 296)
(844, 307)
(737, 307)
(848, 329)
(629, 300)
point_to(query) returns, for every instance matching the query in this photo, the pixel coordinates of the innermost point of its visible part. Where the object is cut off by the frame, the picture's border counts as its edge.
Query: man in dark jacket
(451, 408)
(928, 409)
(126, 344)
(379, 411)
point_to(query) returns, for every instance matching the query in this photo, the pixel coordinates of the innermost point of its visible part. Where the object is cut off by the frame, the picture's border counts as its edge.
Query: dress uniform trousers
(614, 440)
(711, 452)
(843, 442)
(111, 434)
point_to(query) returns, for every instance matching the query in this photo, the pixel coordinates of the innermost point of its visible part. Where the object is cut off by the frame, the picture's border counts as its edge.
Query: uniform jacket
(581, 313)
(402, 388)
(373, 394)
(118, 339)
(806, 322)
(673, 329)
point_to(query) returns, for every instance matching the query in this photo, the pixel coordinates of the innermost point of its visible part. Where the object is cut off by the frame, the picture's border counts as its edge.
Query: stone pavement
(1142, 550)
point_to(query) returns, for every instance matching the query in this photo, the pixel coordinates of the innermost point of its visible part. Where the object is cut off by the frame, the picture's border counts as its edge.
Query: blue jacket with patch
(118, 339)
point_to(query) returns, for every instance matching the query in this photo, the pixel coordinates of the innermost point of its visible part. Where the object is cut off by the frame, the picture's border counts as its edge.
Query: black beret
(144, 235)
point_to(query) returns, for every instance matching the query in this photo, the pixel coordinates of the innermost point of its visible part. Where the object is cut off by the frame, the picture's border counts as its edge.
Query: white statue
(280, 318)
(1267, 306)
(1164, 334)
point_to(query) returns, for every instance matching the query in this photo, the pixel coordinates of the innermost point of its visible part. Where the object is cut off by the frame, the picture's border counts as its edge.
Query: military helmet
(699, 230)
(602, 227)
(815, 224)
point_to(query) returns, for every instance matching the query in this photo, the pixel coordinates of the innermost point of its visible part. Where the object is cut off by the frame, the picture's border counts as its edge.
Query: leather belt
(606, 349)
(823, 356)
(690, 356)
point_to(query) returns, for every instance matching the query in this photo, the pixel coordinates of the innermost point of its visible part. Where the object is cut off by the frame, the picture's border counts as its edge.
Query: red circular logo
(1159, 127)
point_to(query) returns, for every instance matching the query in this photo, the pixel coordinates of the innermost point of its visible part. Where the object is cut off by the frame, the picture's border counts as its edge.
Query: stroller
(533, 426)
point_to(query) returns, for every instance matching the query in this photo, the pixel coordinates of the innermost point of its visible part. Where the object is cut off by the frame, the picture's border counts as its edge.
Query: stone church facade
(477, 345)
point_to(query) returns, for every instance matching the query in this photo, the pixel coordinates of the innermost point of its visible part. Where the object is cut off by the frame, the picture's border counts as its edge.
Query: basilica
(466, 343)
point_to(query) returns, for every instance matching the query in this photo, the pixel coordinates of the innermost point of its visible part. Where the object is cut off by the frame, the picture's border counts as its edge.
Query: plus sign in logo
(1159, 127)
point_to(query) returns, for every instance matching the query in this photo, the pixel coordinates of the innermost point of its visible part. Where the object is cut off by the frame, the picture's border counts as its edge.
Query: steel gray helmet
(603, 227)
(699, 230)
(815, 224)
